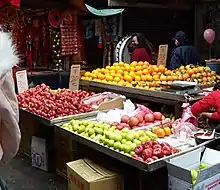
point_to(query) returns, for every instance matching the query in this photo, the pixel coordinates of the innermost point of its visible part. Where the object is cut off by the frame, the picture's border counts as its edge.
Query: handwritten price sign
(162, 55)
(22, 81)
(74, 77)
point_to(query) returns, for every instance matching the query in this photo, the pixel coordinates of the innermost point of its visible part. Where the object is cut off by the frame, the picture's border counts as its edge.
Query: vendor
(184, 54)
(212, 101)
(140, 49)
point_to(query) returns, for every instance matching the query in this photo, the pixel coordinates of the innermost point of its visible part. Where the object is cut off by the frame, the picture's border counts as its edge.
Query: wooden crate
(66, 150)
(29, 127)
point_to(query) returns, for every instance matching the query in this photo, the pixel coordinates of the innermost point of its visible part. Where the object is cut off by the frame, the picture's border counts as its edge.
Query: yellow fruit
(143, 78)
(121, 64)
(117, 79)
(101, 76)
(127, 68)
(145, 71)
(132, 68)
(94, 76)
(134, 64)
(87, 74)
(138, 68)
(137, 78)
(109, 78)
(108, 67)
(115, 64)
(139, 73)
(120, 71)
(127, 78)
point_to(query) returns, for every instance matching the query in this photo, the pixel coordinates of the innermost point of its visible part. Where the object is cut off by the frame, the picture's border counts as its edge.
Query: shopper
(9, 113)
(212, 101)
(184, 54)
(140, 49)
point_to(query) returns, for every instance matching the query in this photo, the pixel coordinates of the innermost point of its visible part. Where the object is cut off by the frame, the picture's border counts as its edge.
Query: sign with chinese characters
(162, 55)
(74, 77)
(22, 81)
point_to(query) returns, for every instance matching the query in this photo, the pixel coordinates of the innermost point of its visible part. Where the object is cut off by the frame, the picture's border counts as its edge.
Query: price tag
(22, 81)
(162, 55)
(74, 77)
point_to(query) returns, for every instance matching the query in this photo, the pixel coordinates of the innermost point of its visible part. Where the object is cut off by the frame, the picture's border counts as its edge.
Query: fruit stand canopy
(103, 12)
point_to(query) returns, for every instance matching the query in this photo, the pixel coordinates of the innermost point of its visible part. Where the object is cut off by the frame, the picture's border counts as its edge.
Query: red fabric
(208, 102)
(140, 54)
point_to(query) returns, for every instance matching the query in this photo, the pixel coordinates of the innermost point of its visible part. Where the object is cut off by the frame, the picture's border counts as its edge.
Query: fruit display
(162, 131)
(143, 75)
(47, 103)
(194, 173)
(123, 141)
(150, 151)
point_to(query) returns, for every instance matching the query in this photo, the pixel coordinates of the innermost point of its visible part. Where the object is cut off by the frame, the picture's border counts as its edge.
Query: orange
(138, 68)
(145, 71)
(101, 76)
(134, 64)
(167, 131)
(137, 78)
(127, 78)
(160, 133)
(139, 73)
(149, 78)
(143, 78)
(87, 74)
(117, 79)
(190, 72)
(154, 129)
(140, 63)
(109, 78)
(161, 68)
(120, 71)
(127, 68)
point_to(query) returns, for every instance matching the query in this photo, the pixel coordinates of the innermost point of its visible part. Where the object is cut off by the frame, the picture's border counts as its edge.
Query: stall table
(163, 97)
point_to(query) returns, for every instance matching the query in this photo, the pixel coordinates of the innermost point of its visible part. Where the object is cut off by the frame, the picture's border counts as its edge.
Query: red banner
(15, 3)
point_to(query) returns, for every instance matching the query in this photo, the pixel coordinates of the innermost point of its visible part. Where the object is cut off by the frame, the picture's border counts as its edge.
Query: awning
(103, 12)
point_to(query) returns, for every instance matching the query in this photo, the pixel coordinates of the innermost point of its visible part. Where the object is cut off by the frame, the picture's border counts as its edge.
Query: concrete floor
(20, 175)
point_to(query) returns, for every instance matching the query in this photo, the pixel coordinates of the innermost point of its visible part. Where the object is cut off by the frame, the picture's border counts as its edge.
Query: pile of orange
(161, 132)
(143, 75)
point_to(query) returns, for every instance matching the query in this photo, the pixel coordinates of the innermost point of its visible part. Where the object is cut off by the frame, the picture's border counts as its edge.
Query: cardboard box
(114, 101)
(86, 175)
(39, 153)
(179, 169)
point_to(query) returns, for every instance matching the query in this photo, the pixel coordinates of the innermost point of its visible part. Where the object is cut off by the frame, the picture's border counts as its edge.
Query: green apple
(133, 145)
(123, 141)
(144, 138)
(111, 143)
(127, 148)
(72, 122)
(90, 125)
(124, 135)
(117, 145)
(132, 153)
(86, 135)
(137, 135)
(137, 142)
(85, 122)
(105, 127)
(102, 139)
(75, 127)
(141, 132)
(107, 134)
(125, 130)
(81, 128)
(130, 136)
(112, 128)
(106, 141)
(65, 126)
(149, 133)
(117, 131)
(99, 130)
(153, 137)
(90, 131)
(128, 143)
(117, 137)
(127, 154)
(93, 136)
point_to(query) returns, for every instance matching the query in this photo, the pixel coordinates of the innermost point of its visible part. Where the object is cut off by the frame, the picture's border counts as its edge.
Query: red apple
(158, 116)
(133, 121)
(149, 117)
(124, 119)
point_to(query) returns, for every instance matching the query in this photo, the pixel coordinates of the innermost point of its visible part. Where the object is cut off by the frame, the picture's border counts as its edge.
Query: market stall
(70, 119)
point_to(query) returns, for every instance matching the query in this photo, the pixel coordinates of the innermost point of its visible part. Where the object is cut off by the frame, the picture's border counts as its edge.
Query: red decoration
(54, 18)
(15, 3)
(69, 34)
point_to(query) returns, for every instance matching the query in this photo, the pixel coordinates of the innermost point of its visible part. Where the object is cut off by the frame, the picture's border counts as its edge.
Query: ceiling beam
(182, 6)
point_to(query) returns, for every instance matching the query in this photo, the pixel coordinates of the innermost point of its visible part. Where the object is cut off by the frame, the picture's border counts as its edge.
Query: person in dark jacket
(184, 54)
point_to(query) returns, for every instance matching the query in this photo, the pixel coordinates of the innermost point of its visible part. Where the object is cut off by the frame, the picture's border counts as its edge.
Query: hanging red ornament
(54, 18)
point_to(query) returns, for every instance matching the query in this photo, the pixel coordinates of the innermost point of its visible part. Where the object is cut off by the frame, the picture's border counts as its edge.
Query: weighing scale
(181, 88)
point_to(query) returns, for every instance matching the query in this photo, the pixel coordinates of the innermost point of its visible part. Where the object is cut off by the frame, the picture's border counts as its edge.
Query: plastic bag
(187, 115)
(179, 125)
(128, 106)
(142, 108)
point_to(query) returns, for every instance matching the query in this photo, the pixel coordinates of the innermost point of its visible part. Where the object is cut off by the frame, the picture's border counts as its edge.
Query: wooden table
(163, 97)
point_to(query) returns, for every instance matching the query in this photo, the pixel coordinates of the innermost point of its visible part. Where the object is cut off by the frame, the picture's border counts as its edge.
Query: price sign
(74, 77)
(162, 55)
(22, 81)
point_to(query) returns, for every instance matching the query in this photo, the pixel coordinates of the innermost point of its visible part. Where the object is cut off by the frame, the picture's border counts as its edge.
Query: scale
(182, 88)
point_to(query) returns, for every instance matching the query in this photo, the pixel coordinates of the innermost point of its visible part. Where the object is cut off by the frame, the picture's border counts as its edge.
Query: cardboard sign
(162, 55)
(22, 81)
(39, 153)
(74, 77)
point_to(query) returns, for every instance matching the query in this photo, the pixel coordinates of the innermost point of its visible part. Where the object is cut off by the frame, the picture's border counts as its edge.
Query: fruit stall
(106, 127)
